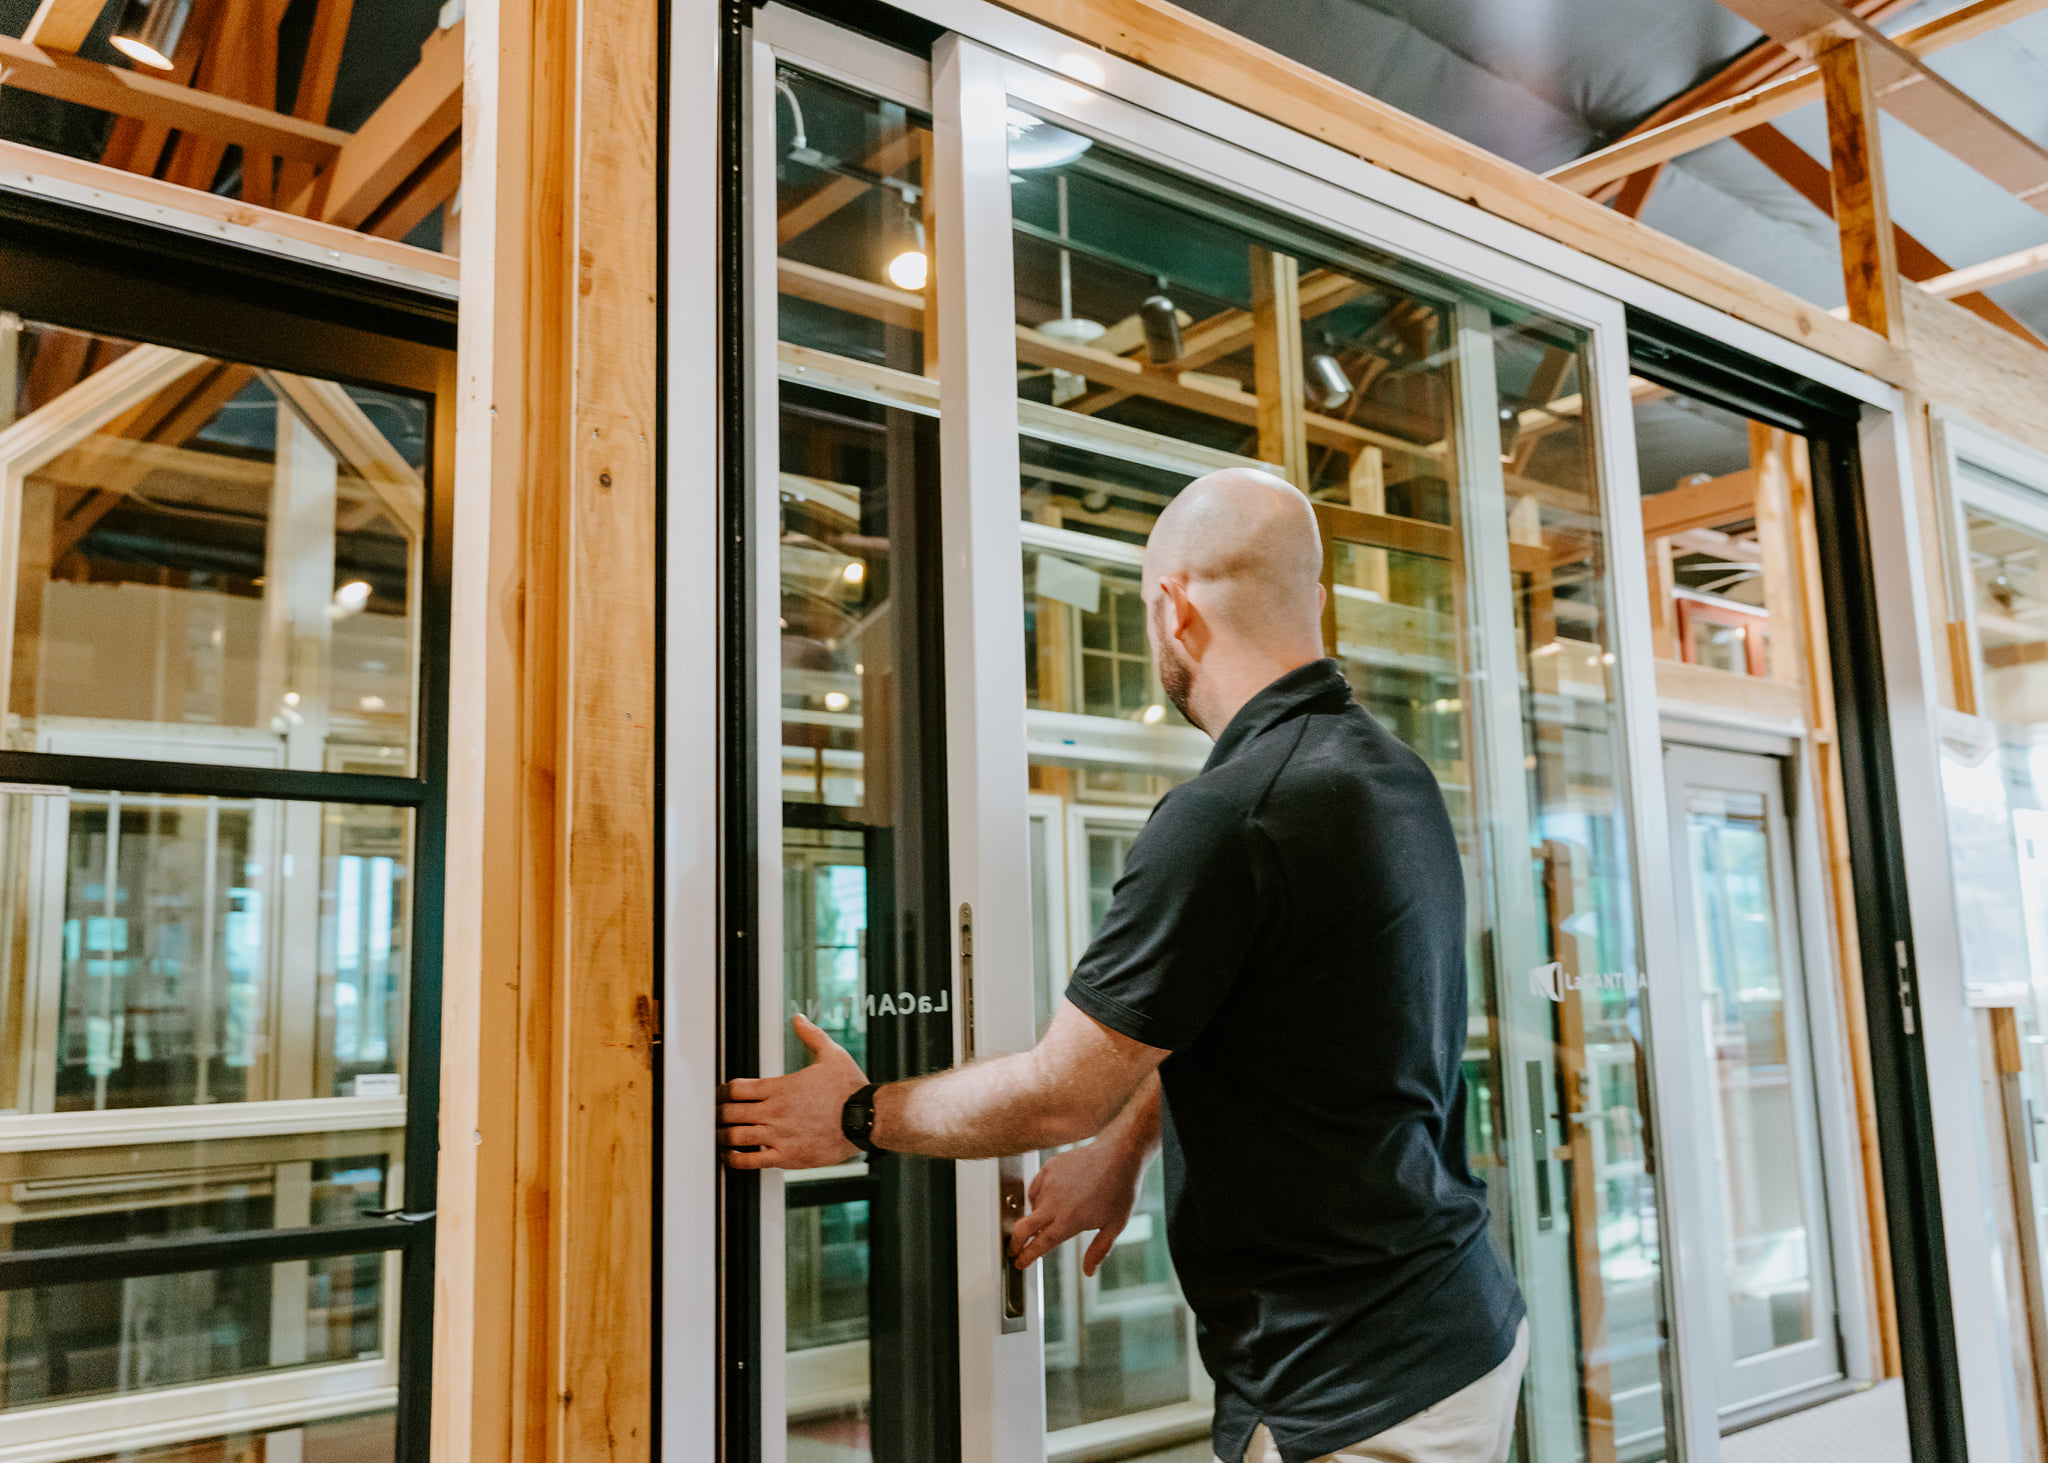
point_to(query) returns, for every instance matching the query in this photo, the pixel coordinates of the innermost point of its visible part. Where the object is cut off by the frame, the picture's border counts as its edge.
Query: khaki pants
(1473, 1425)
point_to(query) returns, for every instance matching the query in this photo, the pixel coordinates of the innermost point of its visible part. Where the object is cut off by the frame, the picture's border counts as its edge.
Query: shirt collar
(1297, 691)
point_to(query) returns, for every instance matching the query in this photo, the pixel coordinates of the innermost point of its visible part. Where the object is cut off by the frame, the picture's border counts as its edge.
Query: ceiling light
(149, 31)
(372, 703)
(854, 572)
(836, 701)
(909, 270)
(1510, 431)
(353, 595)
(1153, 714)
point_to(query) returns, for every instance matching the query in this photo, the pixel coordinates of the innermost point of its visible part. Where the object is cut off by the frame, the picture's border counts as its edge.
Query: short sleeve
(1180, 923)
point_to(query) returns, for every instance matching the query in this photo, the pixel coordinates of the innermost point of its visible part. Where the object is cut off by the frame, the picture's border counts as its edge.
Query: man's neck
(1224, 686)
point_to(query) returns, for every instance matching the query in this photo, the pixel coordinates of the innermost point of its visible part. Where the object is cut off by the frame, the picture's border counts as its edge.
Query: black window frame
(1831, 421)
(100, 271)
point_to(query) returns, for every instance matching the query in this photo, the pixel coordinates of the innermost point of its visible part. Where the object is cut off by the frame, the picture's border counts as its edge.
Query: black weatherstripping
(1689, 362)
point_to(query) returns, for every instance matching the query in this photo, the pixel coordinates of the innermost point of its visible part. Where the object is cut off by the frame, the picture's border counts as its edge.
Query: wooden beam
(347, 432)
(185, 208)
(63, 25)
(1206, 56)
(317, 74)
(1708, 503)
(857, 296)
(137, 146)
(1960, 282)
(1197, 393)
(1870, 258)
(417, 197)
(132, 94)
(895, 152)
(1812, 181)
(1766, 103)
(1277, 363)
(400, 137)
(1912, 91)
(1636, 190)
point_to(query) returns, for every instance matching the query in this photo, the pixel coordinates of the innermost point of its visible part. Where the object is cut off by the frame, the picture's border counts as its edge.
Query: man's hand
(1082, 1189)
(793, 1121)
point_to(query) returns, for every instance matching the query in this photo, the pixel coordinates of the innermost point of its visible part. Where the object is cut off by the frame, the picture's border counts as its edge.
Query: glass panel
(164, 951)
(217, 563)
(104, 1336)
(1153, 323)
(858, 449)
(1582, 866)
(1770, 1276)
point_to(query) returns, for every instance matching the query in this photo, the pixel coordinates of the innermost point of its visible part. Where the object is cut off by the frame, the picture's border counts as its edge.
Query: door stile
(771, 1385)
(1000, 1357)
(1538, 1222)
(1675, 1046)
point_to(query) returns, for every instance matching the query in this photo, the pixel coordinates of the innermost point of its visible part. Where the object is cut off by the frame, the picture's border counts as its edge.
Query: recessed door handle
(1010, 1209)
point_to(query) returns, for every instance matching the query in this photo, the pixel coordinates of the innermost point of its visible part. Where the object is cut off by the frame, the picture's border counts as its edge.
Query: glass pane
(216, 563)
(1770, 1276)
(171, 951)
(103, 1336)
(1581, 863)
(1153, 323)
(858, 450)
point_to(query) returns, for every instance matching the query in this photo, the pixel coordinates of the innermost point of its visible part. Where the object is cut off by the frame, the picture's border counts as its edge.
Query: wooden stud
(1636, 190)
(1277, 363)
(1663, 599)
(2002, 270)
(1870, 261)
(544, 1281)
(1769, 451)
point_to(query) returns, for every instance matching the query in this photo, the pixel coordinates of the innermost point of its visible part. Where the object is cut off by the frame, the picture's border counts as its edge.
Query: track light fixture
(1324, 381)
(1161, 319)
(149, 30)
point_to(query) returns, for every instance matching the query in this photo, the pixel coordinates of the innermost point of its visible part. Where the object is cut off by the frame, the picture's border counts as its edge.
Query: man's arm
(1068, 1087)
(1091, 1188)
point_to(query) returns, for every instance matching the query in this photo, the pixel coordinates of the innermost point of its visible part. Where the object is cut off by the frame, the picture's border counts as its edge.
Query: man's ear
(1180, 609)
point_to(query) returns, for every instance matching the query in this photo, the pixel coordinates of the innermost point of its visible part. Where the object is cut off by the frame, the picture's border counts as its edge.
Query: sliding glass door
(1002, 319)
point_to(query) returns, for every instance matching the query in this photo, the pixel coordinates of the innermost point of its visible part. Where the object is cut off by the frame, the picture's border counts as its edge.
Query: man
(1277, 997)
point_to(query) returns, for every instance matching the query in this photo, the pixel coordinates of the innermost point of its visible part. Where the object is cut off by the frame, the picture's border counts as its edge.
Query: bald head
(1245, 542)
(1233, 591)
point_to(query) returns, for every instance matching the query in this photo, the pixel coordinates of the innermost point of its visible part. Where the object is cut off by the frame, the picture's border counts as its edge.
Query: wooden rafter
(401, 138)
(895, 152)
(317, 75)
(1812, 181)
(1708, 117)
(1910, 90)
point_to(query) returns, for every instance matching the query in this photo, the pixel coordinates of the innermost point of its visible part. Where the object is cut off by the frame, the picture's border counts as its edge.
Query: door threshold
(1784, 1404)
(1131, 1436)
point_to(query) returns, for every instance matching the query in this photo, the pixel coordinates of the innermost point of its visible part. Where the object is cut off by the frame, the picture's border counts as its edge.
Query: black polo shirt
(1291, 926)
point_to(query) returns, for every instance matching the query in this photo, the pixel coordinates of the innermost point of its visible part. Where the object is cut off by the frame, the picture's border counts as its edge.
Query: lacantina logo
(1553, 980)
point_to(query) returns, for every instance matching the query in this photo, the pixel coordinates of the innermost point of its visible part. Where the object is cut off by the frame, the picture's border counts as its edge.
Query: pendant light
(149, 30)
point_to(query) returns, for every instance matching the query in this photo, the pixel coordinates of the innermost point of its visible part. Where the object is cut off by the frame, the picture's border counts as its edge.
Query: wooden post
(1769, 462)
(1870, 258)
(543, 1319)
(1277, 363)
(1663, 611)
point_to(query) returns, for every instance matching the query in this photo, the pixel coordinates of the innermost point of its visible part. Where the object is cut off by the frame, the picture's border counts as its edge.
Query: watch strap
(857, 1118)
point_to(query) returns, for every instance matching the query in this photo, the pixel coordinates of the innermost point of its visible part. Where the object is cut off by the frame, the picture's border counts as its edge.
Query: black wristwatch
(857, 1118)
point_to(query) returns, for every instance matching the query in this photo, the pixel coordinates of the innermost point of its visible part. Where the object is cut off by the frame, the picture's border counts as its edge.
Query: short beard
(1176, 674)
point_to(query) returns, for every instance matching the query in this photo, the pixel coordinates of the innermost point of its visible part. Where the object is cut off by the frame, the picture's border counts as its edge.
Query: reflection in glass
(1770, 1279)
(216, 562)
(166, 951)
(370, 1437)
